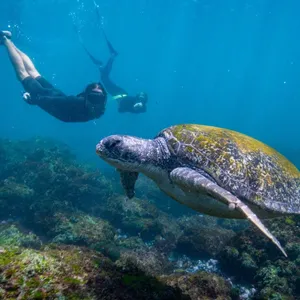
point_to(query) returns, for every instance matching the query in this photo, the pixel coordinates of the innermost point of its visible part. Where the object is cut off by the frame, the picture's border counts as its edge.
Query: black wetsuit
(56, 103)
(125, 102)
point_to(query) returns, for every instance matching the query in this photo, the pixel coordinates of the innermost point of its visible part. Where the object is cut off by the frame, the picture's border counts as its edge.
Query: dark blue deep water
(233, 64)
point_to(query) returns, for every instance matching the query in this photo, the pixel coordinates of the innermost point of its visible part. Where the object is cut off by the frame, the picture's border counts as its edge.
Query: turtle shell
(246, 167)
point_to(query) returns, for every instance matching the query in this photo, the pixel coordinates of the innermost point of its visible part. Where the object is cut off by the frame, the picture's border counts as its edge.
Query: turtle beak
(100, 149)
(110, 149)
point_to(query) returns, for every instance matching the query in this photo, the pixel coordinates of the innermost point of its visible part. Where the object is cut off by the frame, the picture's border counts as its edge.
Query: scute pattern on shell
(244, 166)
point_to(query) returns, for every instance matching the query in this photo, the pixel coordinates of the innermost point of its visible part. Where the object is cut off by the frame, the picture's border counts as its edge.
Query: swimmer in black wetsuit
(126, 103)
(88, 105)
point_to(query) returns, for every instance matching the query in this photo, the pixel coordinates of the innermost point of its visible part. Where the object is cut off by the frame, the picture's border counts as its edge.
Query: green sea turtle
(215, 171)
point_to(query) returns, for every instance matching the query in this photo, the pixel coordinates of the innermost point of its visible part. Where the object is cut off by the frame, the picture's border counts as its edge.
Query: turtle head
(123, 152)
(129, 155)
(132, 155)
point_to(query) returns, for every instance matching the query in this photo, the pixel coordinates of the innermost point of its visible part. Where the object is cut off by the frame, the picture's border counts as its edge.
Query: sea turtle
(213, 170)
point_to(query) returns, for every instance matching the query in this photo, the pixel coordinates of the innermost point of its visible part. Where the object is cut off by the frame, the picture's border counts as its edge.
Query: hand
(138, 105)
(26, 97)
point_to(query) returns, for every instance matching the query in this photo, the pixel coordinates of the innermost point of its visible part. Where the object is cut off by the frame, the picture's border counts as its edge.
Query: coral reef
(11, 235)
(36, 181)
(47, 274)
(72, 272)
(139, 217)
(150, 261)
(249, 256)
(201, 285)
(83, 230)
(202, 237)
(66, 234)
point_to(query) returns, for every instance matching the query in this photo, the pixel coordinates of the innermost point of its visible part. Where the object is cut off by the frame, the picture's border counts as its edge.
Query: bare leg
(29, 66)
(16, 59)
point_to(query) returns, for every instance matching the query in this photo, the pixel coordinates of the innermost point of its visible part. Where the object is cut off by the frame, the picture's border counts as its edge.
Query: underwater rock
(250, 257)
(11, 235)
(41, 177)
(150, 261)
(136, 217)
(68, 272)
(235, 225)
(202, 237)
(192, 266)
(201, 285)
(47, 274)
(126, 243)
(81, 229)
(72, 272)
(139, 217)
(14, 197)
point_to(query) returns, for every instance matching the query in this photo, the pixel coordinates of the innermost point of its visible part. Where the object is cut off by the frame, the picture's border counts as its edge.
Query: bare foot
(4, 35)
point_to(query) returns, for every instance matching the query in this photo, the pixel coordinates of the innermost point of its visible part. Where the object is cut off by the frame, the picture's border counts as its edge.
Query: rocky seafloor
(68, 232)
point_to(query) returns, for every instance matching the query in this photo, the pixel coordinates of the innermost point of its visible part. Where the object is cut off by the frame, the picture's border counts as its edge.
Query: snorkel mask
(96, 98)
(142, 97)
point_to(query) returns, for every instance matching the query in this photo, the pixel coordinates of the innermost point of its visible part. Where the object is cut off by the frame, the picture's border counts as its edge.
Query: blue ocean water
(233, 64)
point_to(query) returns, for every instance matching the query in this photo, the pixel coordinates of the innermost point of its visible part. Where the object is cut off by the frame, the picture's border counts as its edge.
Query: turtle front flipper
(192, 181)
(128, 180)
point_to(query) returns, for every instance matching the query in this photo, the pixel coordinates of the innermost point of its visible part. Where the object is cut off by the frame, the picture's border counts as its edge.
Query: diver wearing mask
(86, 106)
(126, 103)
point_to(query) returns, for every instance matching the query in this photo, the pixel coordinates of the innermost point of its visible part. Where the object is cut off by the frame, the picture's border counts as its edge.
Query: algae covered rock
(68, 272)
(250, 257)
(11, 236)
(84, 230)
(139, 217)
(150, 261)
(40, 177)
(72, 272)
(47, 274)
(202, 237)
(202, 285)
(81, 229)
(14, 197)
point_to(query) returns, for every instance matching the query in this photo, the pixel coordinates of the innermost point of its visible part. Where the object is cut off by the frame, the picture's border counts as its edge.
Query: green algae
(43, 274)
(12, 236)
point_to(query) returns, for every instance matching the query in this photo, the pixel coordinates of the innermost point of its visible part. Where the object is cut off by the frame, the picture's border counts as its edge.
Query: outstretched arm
(140, 107)
(130, 104)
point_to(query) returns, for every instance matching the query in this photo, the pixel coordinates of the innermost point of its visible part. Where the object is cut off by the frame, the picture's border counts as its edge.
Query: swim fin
(111, 49)
(97, 62)
(97, 13)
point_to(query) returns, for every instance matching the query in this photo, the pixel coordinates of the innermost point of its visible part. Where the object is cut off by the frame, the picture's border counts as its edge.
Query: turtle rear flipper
(128, 180)
(190, 180)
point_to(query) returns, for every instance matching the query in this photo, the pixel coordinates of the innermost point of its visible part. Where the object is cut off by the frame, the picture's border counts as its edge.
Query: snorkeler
(126, 103)
(88, 105)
